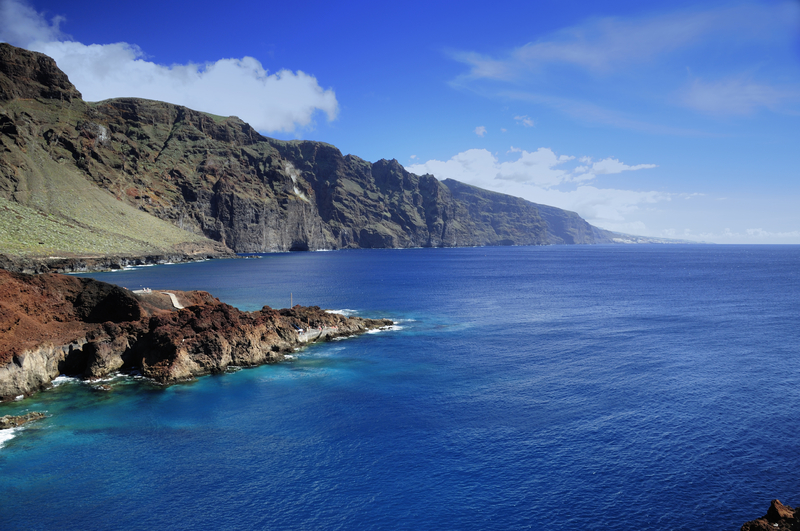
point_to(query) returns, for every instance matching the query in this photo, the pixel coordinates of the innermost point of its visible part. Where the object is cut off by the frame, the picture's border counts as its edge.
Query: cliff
(779, 517)
(517, 219)
(145, 177)
(54, 324)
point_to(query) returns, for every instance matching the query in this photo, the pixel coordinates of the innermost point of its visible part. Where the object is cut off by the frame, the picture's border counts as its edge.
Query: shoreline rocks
(55, 324)
(779, 517)
(15, 421)
(84, 264)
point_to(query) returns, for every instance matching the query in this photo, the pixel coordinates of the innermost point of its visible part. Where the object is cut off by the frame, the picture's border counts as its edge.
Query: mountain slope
(47, 206)
(514, 216)
(149, 174)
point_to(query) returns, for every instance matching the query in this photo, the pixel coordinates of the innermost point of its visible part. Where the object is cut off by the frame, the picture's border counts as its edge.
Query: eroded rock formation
(219, 178)
(15, 421)
(779, 517)
(56, 324)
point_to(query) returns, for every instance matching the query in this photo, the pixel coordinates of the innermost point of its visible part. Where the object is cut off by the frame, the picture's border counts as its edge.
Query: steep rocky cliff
(779, 517)
(55, 324)
(514, 220)
(217, 178)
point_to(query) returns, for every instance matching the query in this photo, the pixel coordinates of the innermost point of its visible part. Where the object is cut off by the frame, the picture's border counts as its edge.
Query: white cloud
(595, 68)
(281, 101)
(524, 121)
(480, 130)
(611, 165)
(747, 236)
(736, 96)
(608, 208)
(611, 43)
(762, 234)
(22, 24)
(588, 112)
(481, 168)
(538, 176)
(540, 168)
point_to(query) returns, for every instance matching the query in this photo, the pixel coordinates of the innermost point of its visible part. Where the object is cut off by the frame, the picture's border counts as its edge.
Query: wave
(7, 435)
(62, 379)
(111, 377)
(392, 328)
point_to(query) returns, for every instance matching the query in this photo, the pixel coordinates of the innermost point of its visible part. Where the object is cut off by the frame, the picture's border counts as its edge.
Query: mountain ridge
(192, 177)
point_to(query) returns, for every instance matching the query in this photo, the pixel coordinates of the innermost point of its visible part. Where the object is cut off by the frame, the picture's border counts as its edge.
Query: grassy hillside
(57, 211)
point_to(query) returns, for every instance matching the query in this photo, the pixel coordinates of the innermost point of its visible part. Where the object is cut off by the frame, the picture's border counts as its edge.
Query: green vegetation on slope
(61, 212)
(28, 232)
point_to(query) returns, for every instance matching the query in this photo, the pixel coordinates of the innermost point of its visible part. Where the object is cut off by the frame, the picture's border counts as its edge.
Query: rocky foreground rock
(15, 421)
(779, 517)
(56, 324)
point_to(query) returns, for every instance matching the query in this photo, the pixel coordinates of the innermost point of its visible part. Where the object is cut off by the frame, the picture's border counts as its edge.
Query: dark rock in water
(55, 324)
(779, 516)
(12, 421)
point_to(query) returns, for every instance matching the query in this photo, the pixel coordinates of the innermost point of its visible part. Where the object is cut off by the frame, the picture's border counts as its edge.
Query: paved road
(174, 299)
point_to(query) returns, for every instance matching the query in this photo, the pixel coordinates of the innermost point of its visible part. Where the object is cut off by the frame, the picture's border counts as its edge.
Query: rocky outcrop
(218, 178)
(83, 264)
(779, 517)
(55, 324)
(28, 75)
(15, 421)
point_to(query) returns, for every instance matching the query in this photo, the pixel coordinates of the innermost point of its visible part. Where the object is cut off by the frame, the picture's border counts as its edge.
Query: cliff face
(55, 324)
(515, 221)
(218, 178)
(779, 516)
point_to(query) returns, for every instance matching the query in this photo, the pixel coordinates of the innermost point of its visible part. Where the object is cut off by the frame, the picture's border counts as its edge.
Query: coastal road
(174, 299)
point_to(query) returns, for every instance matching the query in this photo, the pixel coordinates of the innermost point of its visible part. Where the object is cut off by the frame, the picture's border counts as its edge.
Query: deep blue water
(585, 387)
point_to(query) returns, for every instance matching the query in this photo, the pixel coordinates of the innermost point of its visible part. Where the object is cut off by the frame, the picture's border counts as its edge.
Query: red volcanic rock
(56, 324)
(779, 516)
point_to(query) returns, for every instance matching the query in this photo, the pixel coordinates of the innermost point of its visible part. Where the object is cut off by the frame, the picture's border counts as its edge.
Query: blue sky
(671, 119)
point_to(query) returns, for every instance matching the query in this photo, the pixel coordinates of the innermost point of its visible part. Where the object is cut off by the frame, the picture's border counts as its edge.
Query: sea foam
(7, 435)
(62, 379)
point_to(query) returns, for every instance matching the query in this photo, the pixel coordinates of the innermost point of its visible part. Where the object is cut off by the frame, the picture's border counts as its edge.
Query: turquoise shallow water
(607, 387)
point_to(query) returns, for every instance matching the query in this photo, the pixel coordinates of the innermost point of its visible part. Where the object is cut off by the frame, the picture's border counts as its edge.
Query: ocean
(561, 387)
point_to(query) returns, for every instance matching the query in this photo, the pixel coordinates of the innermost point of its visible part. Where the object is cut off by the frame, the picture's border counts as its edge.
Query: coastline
(56, 324)
(85, 264)
(779, 516)
(457, 338)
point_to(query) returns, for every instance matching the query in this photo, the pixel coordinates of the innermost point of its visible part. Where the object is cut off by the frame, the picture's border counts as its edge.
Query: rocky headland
(133, 178)
(779, 517)
(54, 324)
